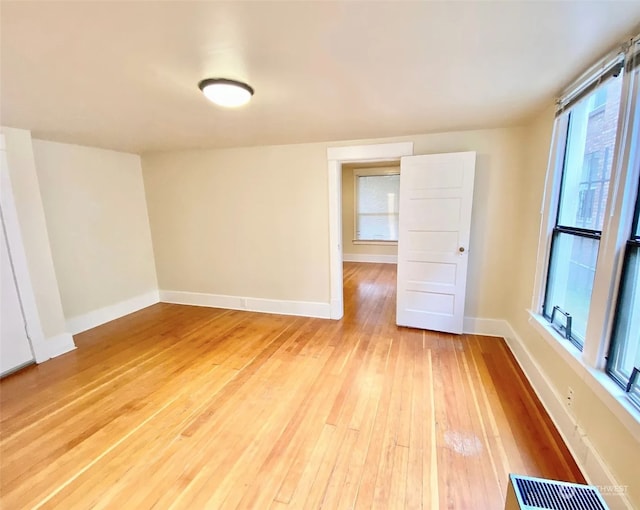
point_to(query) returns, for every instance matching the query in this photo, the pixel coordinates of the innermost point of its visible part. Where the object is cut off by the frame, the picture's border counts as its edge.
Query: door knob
(461, 249)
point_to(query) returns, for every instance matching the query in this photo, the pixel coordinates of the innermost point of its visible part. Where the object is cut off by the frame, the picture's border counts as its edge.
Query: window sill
(375, 242)
(609, 393)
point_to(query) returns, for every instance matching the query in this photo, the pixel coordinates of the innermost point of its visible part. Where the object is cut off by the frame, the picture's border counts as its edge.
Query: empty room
(308, 254)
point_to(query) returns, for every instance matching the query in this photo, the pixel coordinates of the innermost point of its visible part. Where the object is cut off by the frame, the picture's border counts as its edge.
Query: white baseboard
(301, 308)
(592, 465)
(363, 257)
(95, 318)
(486, 327)
(58, 345)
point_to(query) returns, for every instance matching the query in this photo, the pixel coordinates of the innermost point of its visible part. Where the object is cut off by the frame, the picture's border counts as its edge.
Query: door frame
(336, 156)
(19, 261)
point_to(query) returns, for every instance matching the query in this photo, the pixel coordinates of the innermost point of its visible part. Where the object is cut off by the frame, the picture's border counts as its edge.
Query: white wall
(241, 222)
(253, 222)
(96, 214)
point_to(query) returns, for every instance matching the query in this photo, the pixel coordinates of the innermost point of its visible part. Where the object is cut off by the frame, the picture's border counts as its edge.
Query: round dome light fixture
(225, 92)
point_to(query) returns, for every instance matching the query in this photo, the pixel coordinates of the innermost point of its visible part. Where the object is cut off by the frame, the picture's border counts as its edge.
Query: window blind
(626, 57)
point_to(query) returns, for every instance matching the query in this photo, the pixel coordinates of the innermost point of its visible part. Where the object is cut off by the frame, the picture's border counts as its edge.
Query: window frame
(632, 243)
(616, 230)
(559, 228)
(369, 172)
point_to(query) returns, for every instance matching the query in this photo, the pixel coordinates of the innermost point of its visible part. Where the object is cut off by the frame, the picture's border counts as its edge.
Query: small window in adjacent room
(376, 205)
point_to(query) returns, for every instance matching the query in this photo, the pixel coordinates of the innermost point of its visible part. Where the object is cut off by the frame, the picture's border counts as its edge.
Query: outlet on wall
(570, 397)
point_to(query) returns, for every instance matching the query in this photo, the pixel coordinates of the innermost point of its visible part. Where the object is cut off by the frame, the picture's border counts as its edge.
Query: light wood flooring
(192, 408)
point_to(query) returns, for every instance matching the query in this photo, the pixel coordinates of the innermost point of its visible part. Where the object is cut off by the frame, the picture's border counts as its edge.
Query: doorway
(434, 230)
(336, 157)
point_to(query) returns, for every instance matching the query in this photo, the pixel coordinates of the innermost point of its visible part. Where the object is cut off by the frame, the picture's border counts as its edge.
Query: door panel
(437, 242)
(435, 302)
(437, 273)
(436, 193)
(428, 214)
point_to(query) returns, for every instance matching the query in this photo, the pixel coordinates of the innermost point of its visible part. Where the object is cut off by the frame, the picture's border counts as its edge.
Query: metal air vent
(527, 493)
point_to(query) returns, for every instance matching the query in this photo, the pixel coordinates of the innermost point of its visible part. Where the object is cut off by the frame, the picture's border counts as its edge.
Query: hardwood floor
(187, 407)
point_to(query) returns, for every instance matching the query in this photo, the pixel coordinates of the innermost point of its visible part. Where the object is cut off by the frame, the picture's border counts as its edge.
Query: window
(588, 277)
(588, 141)
(376, 202)
(624, 359)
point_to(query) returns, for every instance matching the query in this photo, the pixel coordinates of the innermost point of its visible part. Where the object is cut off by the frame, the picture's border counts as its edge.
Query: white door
(436, 193)
(15, 350)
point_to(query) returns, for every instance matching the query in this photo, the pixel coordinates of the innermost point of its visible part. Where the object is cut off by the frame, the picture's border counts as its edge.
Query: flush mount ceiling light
(224, 92)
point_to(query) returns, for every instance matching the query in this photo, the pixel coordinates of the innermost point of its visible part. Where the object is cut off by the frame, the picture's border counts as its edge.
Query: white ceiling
(123, 75)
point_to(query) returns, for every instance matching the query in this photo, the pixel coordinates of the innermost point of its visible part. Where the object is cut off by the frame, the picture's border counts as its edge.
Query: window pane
(625, 342)
(377, 207)
(374, 192)
(378, 227)
(571, 272)
(588, 157)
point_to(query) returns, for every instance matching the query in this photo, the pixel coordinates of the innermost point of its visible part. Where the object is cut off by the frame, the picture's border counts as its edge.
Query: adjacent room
(291, 255)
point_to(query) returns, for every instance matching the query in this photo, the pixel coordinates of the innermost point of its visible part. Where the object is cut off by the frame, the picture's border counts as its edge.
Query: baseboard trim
(281, 307)
(363, 257)
(590, 462)
(100, 316)
(486, 327)
(58, 345)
